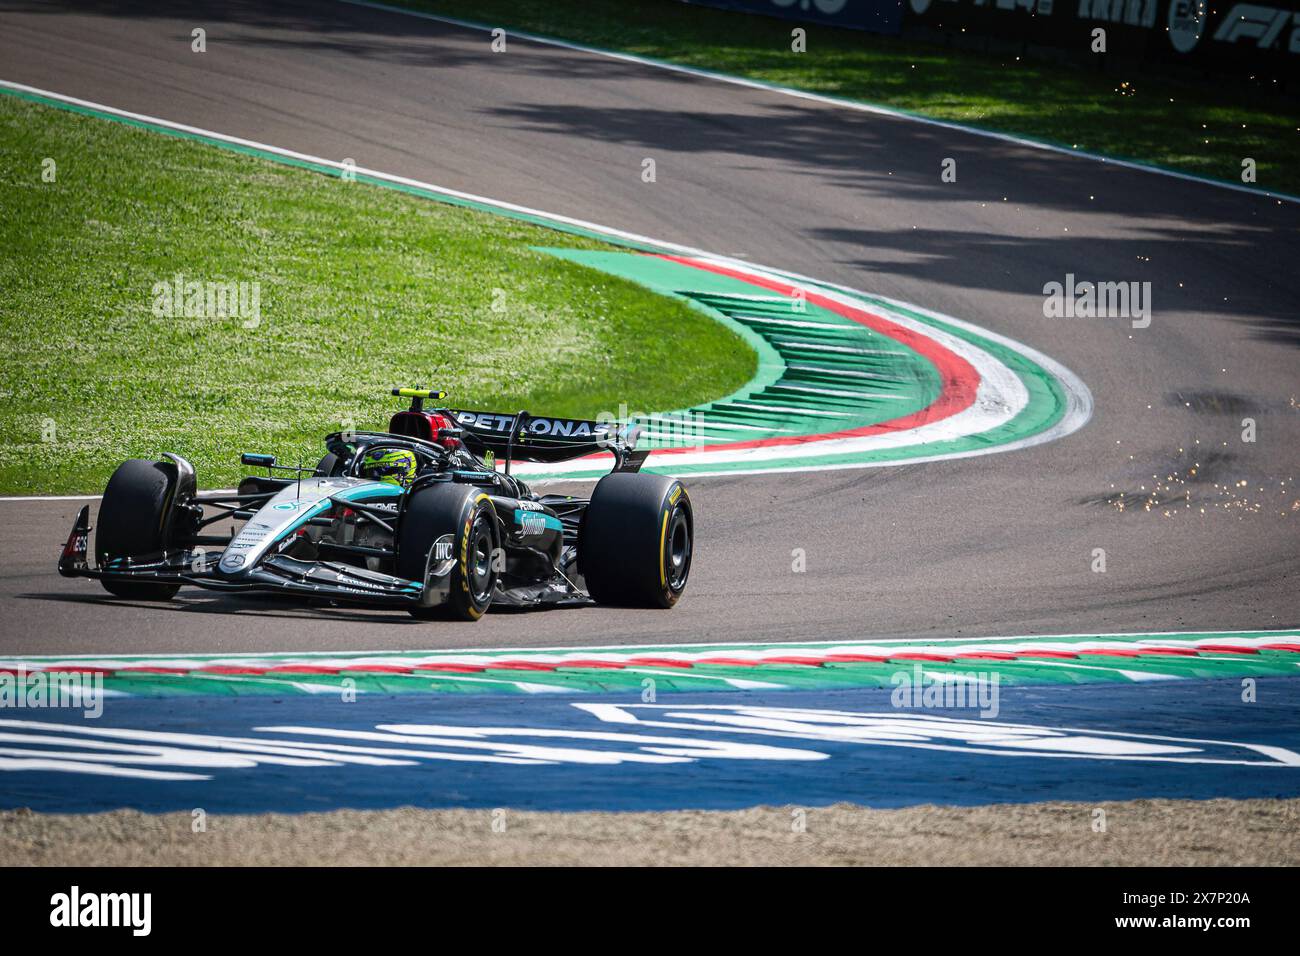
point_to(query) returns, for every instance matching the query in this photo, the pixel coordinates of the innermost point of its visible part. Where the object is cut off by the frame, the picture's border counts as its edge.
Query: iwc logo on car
(1186, 23)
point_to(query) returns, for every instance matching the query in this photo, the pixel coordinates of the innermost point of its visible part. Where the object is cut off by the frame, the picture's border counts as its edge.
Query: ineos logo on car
(531, 523)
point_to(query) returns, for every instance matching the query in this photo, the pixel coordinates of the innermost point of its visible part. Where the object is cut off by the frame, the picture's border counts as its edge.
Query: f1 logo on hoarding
(1245, 21)
(1249, 21)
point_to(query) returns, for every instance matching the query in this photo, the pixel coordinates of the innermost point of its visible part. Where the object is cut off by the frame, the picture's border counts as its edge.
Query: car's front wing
(320, 579)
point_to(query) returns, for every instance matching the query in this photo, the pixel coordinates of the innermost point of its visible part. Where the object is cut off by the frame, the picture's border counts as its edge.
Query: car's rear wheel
(133, 522)
(467, 515)
(636, 541)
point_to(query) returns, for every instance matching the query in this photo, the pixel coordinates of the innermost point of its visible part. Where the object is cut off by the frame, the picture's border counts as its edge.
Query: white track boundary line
(860, 106)
(51, 498)
(212, 491)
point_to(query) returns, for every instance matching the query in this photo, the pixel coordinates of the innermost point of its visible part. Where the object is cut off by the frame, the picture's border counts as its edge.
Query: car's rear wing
(525, 437)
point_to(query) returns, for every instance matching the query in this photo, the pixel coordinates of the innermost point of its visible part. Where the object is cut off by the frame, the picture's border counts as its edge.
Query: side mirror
(257, 461)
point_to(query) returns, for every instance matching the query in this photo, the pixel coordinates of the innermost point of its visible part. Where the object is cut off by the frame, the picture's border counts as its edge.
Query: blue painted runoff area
(1178, 739)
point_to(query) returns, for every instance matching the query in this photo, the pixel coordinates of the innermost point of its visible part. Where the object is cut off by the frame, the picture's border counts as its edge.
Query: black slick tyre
(636, 540)
(133, 522)
(467, 514)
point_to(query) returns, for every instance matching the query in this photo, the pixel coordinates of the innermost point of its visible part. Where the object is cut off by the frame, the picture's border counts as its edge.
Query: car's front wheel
(466, 514)
(133, 522)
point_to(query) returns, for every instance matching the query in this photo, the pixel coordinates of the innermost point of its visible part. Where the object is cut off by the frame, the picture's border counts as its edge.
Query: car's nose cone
(232, 562)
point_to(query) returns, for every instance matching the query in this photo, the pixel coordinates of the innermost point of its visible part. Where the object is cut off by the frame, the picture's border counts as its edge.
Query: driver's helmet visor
(394, 466)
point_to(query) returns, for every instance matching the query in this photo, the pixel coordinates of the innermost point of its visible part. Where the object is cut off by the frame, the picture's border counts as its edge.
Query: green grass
(362, 288)
(1203, 127)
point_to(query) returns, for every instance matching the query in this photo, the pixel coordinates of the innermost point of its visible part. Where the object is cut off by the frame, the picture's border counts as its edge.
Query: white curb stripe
(1000, 397)
(1172, 638)
(630, 655)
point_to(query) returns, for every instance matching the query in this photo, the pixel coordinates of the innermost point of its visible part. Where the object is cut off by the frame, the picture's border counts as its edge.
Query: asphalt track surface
(996, 545)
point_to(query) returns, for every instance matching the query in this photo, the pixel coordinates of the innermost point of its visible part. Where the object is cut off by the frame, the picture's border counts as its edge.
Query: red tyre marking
(660, 661)
(603, 665)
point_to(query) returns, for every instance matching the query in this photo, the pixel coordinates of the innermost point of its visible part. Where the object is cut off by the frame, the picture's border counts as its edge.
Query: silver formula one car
(419, 517)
